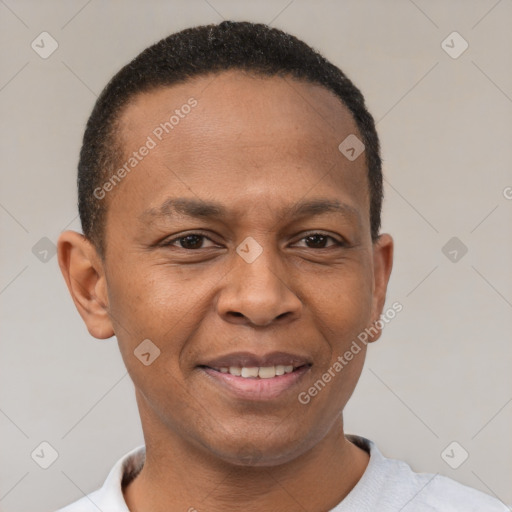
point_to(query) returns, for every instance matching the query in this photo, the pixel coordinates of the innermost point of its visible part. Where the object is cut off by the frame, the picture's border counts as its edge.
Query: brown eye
(319, 241)
(192, 241)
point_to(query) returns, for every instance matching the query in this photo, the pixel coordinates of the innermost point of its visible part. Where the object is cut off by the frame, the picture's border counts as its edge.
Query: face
(240, 243)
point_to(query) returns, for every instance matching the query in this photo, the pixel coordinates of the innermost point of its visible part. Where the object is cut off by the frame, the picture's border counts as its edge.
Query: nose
(258, 293)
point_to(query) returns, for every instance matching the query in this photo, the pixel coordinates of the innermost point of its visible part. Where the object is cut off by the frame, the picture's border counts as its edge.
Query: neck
(180, 477)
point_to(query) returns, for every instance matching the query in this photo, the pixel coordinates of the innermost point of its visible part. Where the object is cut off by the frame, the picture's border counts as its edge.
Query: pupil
(191, 242)
(313, 237)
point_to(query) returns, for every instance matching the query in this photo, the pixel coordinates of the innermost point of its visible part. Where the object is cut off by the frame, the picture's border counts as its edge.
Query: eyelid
(341, 242)
(169, 242)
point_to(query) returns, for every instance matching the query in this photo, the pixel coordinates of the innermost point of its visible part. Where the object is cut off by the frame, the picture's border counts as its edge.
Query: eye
(319, 240)
(195, 241)
(191, 241)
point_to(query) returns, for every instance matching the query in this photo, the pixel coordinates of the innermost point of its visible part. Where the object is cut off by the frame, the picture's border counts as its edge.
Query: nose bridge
(257, 264)
(256, 290)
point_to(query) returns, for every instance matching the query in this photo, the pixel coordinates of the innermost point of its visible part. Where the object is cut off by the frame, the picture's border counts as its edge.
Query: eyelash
(169, 243)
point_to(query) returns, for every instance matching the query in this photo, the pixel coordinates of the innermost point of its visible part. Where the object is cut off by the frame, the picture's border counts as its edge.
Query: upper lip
(248, 359)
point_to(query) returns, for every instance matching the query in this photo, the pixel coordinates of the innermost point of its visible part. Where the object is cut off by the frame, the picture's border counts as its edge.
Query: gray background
(441, 372)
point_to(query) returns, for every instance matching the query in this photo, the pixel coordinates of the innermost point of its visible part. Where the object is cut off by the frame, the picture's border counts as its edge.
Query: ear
(83, 272)
(382, 265)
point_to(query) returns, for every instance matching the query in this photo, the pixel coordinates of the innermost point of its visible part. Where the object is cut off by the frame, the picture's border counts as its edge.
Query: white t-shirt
(387, 485)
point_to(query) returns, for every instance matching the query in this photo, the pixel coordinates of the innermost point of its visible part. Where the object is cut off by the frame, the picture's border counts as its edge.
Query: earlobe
(83, 272)
(382, 266)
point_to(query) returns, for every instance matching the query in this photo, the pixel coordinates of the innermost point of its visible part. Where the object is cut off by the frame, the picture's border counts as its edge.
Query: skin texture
(258, 146)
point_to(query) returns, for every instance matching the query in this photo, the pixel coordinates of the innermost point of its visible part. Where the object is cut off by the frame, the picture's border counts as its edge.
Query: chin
(261, 452)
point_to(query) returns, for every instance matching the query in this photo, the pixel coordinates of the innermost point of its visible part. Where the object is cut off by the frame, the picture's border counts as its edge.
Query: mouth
(249, 377)
(257, 372)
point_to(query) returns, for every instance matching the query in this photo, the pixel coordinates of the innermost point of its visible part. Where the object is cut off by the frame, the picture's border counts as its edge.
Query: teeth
(250, 372)
(263, 372)
(235, 370)
(267, 372)
(279, 369)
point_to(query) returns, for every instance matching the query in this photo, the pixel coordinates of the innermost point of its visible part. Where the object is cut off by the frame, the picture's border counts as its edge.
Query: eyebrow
(199, 208)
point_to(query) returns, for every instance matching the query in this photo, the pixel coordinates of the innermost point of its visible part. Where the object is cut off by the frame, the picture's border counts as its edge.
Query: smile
(262, 372)
(256, 383)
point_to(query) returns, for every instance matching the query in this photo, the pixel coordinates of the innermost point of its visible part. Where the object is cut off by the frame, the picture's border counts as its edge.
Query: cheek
(148, 299)
(344, 299)
(160, 305)
(343, 311)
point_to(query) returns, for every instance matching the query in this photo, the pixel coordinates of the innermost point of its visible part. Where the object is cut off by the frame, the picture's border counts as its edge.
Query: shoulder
(85, 504)
(391, 484)
(110, 496)
(441, 493)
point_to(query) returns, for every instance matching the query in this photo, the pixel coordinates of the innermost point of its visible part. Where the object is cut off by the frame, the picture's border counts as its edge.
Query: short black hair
(250, 47)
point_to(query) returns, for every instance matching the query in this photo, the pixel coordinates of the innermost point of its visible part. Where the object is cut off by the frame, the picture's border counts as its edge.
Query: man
(230, 190)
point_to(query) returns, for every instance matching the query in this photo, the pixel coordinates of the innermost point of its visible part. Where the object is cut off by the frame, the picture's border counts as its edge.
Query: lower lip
(254, 388)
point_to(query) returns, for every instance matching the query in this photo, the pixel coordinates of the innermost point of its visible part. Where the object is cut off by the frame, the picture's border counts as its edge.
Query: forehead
(230, 134)
(235, 102)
